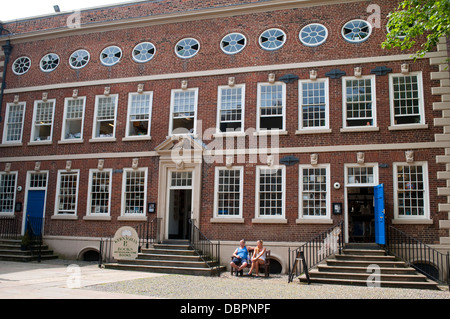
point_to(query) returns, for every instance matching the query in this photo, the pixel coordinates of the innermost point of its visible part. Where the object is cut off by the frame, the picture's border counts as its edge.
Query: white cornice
(218, 72)
(202, 14)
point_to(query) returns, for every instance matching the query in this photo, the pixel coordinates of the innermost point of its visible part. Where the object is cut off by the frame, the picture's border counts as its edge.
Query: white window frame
(124, 183)
(65, 119)
(96, 138)
(89, 199)
(426, 191)
(258, 107)
(375, 181)
(420, 97)
(303, 129)
(58, 191)
(15, 173)
(373, 101)
(328, 192)
(219, 107)
(5, 125)
(33, 125)
(216, 192)
(172, 105)
(128, 125)
(281, 217)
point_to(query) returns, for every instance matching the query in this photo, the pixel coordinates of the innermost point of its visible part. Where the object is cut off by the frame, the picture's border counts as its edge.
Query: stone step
(391, 284)
(169, 263)
(146, 256)
(155, 251)
(202, 271)
(362, 257)
(365, 263)
(314, 273)
(355, 269)
(364, 252)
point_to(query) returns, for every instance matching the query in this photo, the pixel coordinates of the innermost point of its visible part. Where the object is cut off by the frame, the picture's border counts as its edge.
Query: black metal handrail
(305, 257)
(9, 227)
(205, 248)
(33, 231)
(425, 259)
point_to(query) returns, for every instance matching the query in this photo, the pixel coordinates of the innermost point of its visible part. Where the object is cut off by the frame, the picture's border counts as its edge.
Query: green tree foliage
(415, 18)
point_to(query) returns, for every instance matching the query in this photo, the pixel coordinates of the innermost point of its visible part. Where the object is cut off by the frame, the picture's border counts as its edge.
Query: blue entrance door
(35, 209)
(380, 237)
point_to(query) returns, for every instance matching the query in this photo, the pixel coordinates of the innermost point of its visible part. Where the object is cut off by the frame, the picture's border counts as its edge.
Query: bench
(265, 266)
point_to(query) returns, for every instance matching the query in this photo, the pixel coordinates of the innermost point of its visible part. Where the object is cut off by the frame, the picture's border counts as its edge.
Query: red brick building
(252, 118)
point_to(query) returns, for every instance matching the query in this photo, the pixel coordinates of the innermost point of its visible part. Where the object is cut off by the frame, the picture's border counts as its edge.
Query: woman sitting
(258, 258)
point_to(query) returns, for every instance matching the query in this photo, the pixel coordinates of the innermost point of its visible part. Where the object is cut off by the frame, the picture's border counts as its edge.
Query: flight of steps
(175, 257)
(10, 250)
(352, 268)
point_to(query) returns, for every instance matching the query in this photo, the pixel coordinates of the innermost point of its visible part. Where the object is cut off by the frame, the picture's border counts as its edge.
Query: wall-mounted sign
(125, 243)
(337, 208)
(289, 160)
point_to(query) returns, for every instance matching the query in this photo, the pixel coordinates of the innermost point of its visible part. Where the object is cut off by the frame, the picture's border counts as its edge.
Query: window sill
(412, 221)
(359, 129)
(65, 217)
(11, 145)
(231, 134)
(102, 140)
(313, 131)
(93, 217)
(132, 218)
(408, 127)
(136, 138)
(227, 220)
(260, 220)
(313, 221)
(40, 143)
(270, 132)
(72, 141)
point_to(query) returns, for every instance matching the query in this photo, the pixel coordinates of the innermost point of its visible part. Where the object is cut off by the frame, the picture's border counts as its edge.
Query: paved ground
(62, 279)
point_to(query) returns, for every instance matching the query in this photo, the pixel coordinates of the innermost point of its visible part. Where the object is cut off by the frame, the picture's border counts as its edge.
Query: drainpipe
(7, 49)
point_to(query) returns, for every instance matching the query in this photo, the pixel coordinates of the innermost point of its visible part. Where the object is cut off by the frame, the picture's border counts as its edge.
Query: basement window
(143, 52)
(49, 62)
(272, 39)
(79, 59)
(21, 65)
(111, 55)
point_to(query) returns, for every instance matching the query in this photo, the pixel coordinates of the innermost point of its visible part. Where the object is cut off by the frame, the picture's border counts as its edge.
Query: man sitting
(240, 258)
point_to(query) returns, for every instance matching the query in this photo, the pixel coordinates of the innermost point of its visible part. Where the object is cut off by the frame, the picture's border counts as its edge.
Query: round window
(187, 48)
(79, 59)
(143, 52)
(21, 65)
(49, 62)
(272, 39)
(233, 43)
(313, 34)
(356, 31)
(111, 55)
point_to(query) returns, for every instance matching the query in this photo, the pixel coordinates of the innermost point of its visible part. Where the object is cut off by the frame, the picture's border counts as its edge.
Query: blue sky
(19, 9)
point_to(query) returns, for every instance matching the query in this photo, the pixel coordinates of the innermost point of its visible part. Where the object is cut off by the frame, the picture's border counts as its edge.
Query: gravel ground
(275, 287)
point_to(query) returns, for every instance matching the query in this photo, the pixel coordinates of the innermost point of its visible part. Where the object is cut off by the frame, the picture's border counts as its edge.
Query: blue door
(35, 209)
(380, 237)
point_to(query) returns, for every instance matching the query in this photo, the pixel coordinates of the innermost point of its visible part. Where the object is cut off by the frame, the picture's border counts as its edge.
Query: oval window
(356, 31)
(313, 34)
(187, 48)
(272, 39)
(111, 55)
(143, 52)
(21, 65)
(79, 59)
(233, 43)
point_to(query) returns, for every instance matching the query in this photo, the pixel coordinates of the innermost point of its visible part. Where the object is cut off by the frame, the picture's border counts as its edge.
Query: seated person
(240, 258)
(258, 258)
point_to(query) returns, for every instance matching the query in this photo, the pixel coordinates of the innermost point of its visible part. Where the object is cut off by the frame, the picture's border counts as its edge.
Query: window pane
(270, 192)
(229, 189)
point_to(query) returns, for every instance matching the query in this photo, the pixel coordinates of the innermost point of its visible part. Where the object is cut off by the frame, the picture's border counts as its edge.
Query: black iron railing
(9, 227)
(425, 259)
(147, 233)
(33, 235)
(303, 258)
(208, 251)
